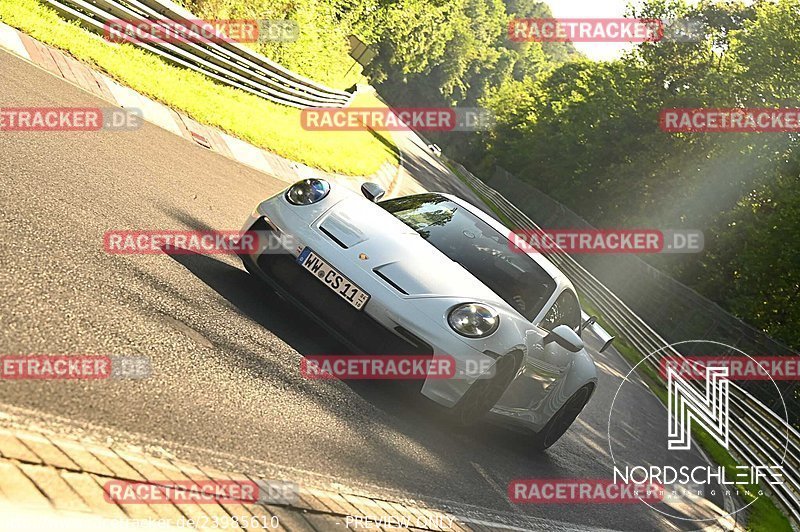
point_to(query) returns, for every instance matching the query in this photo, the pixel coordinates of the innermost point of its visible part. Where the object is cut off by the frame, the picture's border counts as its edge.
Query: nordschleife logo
(687, 405)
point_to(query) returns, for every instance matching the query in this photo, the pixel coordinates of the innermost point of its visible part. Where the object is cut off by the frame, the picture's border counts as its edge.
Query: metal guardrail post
(219, 59)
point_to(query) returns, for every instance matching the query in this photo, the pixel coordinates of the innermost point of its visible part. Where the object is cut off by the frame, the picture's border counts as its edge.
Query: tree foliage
(455, 52)
(587, 133)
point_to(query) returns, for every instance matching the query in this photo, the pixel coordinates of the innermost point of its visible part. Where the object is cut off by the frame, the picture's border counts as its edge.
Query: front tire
(484, 393)
(563, 419)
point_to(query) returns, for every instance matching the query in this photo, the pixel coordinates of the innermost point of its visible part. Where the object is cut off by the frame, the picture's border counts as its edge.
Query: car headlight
(473, 320)
(307, 191)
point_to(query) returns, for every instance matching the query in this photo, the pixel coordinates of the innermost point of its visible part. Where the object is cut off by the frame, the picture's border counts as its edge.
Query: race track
(225, 350)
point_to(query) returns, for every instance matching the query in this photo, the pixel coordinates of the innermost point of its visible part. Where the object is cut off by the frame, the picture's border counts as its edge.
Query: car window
(478, 247)
(565, 311)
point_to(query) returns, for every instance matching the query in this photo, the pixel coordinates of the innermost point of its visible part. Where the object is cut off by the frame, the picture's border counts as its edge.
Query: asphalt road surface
(225, 350)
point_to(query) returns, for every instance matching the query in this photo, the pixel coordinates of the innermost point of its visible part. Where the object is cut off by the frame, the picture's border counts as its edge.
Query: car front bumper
(389, 323)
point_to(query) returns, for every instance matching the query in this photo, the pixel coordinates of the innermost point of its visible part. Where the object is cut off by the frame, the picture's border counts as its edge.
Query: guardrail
(218, 58)
(758, 435)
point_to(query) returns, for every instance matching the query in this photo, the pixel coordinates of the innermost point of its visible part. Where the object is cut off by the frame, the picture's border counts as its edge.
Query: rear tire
(563, 419)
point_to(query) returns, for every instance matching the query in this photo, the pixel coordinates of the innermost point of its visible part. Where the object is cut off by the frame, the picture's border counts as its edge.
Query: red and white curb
(54, 474)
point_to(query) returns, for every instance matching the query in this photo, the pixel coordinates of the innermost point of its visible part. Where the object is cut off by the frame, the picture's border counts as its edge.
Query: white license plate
(334, 280)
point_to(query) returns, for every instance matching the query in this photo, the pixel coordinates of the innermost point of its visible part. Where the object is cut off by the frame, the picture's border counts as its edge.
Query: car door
(543, 365)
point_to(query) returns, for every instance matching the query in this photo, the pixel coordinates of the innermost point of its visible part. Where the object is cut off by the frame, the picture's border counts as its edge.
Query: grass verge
(271, 126)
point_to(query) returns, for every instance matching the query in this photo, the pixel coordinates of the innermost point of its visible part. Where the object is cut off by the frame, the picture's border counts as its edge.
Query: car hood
(398, 255)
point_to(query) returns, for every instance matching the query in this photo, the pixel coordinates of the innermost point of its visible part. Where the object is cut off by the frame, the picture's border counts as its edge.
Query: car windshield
(478, 247)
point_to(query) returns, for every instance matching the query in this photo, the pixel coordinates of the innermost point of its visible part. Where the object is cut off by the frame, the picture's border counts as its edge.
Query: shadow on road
(399, 399)
(399, 410)
(256, 301)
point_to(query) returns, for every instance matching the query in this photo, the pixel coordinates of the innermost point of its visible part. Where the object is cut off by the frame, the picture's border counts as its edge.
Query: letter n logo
(687, 404)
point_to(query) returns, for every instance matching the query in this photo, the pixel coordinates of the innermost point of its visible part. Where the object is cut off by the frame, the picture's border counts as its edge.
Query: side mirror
(565, 337)
(372, 191)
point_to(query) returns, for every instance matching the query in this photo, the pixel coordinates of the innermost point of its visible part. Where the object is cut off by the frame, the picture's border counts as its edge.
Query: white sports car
(431, 274)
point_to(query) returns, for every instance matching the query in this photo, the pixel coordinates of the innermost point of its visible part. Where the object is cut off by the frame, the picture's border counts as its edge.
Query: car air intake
(332, 237)
(345, 228)
(368, 335)
(391, 283)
